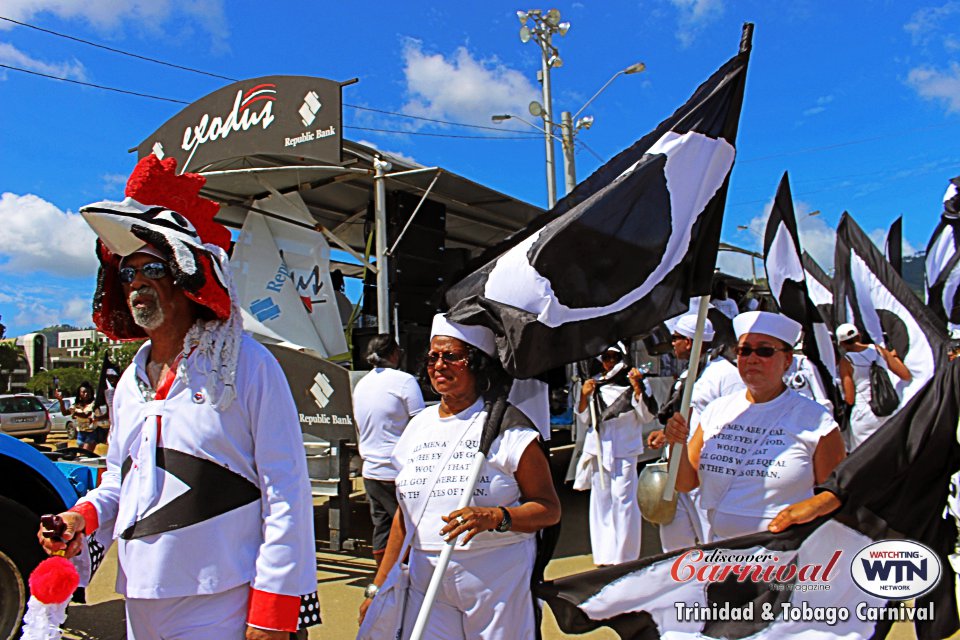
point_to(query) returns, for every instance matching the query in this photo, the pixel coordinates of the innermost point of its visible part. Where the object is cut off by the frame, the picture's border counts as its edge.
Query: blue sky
(860, 102)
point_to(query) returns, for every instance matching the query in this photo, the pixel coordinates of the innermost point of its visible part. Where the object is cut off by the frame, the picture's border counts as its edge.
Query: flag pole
(596, 432)
(676, 450)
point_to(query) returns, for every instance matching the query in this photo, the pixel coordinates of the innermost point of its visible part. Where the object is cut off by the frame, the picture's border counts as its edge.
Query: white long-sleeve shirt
(253, 523)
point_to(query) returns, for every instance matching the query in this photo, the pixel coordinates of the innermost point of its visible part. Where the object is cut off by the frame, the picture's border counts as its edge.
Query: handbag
(883, 397)
(384, 617)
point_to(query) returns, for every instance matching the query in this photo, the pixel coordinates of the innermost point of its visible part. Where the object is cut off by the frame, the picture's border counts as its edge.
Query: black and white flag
(943, 260)
(633, 243)
(879, 302)
(896, 485)
(820, 289)
(788, 284)
(894, 246)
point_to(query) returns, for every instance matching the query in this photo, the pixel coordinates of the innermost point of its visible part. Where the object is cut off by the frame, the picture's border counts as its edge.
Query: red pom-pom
(54, 580)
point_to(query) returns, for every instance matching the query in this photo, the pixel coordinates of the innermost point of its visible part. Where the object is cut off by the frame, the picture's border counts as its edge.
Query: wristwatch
(507, 522)
(370, 591)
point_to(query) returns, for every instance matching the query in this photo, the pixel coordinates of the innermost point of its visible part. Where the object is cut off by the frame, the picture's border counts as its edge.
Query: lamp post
(569, 128)
(540, 26)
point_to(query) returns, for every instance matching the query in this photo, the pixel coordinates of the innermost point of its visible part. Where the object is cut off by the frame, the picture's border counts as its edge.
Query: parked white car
(62, 423)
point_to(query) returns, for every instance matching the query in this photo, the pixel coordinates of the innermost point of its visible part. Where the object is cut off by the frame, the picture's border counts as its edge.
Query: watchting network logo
(896, 569)
(321, 390)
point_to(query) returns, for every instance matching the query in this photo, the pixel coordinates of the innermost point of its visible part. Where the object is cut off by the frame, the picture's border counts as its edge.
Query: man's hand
(819, 505)
(656, 439)
(72, 538)
(363, 609)
(253, 633)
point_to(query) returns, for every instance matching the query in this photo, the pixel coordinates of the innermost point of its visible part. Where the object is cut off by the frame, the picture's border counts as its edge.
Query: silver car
(22, 415)
(61, 423)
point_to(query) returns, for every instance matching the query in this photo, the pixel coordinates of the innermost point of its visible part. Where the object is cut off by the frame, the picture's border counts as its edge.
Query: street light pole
(545, 47)
(569, 162)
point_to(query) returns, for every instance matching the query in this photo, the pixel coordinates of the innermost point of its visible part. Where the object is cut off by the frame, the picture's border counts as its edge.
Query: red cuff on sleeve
(273, 611)
(90, 515)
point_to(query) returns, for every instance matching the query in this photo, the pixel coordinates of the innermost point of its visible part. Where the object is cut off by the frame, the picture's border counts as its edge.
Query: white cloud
(78, 312)
(37, 236)
(879, 238)
(110, 15)
(12, 56)
(820, 107)
(462, 88)
(937, 84)
(816, 237)
(396, 154)
(694, 16)
(928, 22)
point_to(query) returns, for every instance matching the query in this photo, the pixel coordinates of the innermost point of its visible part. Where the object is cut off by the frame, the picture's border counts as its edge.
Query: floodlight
(536, 109)
(553, 17)
(636, 67)
(522, 16)
(524, 34)
(563, 27)
(585, 122)
(555, 62)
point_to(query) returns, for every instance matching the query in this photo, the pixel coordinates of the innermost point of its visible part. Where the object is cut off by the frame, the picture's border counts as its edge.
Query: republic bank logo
(321, 390)
(308, 110)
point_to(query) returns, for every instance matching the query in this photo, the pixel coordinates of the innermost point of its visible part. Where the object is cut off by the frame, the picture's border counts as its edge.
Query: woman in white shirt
(758, 451)
(855, 380)
(486, 590)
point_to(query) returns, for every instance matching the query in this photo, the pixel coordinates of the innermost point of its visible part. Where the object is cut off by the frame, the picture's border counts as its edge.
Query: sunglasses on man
(762, 352)
(151, 271)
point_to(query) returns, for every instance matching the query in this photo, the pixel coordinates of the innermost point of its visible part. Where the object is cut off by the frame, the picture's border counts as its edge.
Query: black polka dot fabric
(309, 610)
(96, 554)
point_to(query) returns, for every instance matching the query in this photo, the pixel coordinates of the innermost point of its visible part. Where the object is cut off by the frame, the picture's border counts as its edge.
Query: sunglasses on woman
(151, 270)
(448, 357)
(762, 352)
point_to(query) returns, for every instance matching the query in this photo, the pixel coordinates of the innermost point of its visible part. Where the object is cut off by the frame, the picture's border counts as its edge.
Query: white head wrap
(687, 327)
(474, 335)
(769, 324)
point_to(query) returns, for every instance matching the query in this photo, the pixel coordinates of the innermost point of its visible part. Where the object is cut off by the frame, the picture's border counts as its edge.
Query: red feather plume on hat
(165, 210)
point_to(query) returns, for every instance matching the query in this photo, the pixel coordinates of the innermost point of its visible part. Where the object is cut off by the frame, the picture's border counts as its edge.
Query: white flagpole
(676, 450)
(438, 572)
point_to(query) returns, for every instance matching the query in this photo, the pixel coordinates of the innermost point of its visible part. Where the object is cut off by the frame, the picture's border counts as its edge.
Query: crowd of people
(204, 425)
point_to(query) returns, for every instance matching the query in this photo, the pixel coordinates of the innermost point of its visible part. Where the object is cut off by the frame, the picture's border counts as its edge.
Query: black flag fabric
(101, 395)
(896, 485)
(640, 240)
(871, 295)
(820, 289)
(894, 246)
(943, 259)
(788, 284)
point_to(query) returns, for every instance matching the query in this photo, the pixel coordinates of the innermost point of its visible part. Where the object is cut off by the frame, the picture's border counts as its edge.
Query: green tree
(120, 355)
(68, 377)
(9, 358)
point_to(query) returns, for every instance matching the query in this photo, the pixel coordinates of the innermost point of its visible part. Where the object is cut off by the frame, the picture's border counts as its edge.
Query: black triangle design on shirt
(214, 490)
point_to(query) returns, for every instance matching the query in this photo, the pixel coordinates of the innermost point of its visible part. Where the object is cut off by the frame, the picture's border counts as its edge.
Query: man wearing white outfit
(206, 487)
(718, 377)
(608, 464)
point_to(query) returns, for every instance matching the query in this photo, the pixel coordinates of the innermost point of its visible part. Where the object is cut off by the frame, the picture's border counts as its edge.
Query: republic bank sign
(298, 117)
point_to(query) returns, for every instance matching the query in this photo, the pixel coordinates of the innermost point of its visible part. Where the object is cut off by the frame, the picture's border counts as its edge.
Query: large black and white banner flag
(820, 289)
(894, 246)
(814, 581)
(633, 243)
(879, 302)
(943, 259)
(788, 284)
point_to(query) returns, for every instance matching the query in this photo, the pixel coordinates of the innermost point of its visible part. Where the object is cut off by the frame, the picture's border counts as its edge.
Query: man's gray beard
(149, 317)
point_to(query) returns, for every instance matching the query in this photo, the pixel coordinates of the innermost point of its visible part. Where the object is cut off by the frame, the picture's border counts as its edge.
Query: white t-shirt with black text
(763, 477)
(422, 447)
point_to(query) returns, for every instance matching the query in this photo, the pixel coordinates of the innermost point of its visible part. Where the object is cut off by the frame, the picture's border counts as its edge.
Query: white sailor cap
(769, 324)
(474, 335)
(687, 327)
